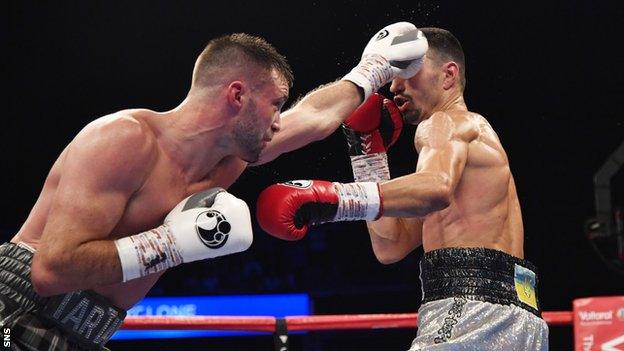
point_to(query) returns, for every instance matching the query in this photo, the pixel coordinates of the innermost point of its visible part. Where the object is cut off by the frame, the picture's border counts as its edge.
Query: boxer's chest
(162, 191)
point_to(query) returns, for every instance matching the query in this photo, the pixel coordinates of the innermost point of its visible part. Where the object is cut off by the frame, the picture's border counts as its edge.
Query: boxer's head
(251, 80)
(441, 78)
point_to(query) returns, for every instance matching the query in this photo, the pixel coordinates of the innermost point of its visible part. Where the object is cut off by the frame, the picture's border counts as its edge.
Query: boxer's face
(417, 96)
(260, 118)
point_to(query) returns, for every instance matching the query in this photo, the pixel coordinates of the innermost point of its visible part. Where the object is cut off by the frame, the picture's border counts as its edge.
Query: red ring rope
(300, 323)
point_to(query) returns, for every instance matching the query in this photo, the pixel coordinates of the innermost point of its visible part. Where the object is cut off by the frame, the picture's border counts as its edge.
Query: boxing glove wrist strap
(148, 252)
(370, 168)
(373, 72)
(357, 201)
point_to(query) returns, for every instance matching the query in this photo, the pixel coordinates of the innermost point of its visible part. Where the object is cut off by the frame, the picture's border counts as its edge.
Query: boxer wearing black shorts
(106, 225)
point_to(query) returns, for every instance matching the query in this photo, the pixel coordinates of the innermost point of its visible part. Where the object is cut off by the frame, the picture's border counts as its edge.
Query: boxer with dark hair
(460, 204)
(139, 191)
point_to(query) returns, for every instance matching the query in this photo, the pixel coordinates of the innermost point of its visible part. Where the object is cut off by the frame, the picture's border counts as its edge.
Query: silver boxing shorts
(478, 299)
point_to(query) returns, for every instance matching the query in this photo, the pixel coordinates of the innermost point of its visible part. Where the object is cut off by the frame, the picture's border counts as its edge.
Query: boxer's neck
(452, 102)
(195, 135)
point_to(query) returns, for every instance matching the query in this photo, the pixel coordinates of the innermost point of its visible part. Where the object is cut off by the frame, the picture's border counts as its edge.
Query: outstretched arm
(313, 118)
(397, 50)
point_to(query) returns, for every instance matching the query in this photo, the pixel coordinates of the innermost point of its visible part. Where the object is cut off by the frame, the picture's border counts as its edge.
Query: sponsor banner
(233, 305)
(599, 324)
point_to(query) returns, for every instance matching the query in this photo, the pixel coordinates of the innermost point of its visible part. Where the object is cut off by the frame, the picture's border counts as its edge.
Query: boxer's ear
(235, 93)
(451, 75)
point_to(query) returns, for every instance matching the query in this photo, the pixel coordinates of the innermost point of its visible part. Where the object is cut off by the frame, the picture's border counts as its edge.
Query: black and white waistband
(479, 274)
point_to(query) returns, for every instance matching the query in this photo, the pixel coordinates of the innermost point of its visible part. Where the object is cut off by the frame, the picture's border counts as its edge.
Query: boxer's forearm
(313, 118)
(330, 104)
(392, 239)
(91, 264)
(415, 195)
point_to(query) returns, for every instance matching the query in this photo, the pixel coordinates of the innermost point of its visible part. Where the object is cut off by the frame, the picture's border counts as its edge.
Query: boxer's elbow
(438, 194)
(388, 257)
(43, 279)
(440, 199)
(388, 251)
(46, 274)
(389, 254)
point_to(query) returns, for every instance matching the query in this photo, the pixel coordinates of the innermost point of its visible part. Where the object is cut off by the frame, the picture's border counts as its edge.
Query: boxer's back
(484, 209)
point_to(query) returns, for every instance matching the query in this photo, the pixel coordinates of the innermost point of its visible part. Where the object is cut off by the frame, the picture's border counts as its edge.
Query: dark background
(546, 75)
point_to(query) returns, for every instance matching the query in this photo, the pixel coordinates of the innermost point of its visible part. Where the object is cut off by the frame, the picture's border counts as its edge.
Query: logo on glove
(298, 183)
(212, 228)
(384, 33)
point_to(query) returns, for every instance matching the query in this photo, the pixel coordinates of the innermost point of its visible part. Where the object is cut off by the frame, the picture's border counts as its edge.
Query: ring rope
(298, 323)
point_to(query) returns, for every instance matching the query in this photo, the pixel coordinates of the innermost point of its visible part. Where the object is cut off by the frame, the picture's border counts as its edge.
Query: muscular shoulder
(443, 127)
(116, 133)
(486, 131)
(119, 146)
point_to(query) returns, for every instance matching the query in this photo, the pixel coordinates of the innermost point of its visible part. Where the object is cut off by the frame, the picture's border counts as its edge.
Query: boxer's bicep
(443, 152)
(100, 172)
(441, 161)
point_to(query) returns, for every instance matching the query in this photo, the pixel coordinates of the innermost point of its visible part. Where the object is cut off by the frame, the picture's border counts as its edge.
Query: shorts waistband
(479, 274)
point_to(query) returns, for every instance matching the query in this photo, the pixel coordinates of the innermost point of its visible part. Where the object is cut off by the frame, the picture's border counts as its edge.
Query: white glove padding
(397, 50)
(205, 230)
(208, 224)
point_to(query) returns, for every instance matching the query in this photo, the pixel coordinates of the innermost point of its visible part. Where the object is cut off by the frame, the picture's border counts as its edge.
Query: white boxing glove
(208, 224)
(397, 50)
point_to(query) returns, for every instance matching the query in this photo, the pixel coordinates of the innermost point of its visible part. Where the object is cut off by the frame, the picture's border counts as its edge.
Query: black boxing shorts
(79, 320)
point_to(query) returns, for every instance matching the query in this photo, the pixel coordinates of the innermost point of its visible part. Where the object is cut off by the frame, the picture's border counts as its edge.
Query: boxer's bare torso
(162, 188)
(461, 195)
(484, 210)
(123, 173)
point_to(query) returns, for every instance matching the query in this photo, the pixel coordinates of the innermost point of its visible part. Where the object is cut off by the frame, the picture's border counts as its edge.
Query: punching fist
(286, 210)
(403, 45)
(396, 51)
(207, 224)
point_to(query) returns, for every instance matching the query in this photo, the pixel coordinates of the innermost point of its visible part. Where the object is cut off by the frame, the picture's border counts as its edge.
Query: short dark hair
(242, 50)
(447, 48)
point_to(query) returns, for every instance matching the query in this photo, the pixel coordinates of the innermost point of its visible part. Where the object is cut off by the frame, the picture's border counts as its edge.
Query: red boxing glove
(373, 127)
(286, 210)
